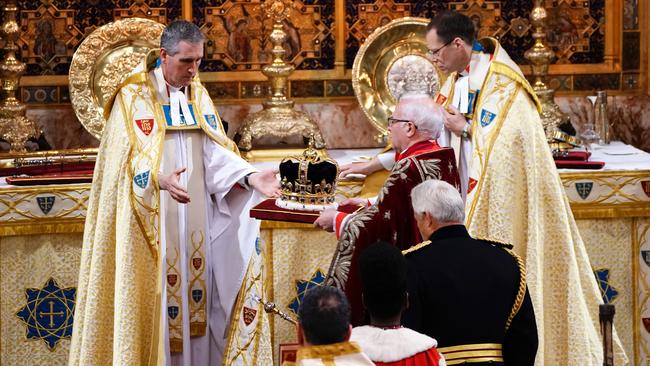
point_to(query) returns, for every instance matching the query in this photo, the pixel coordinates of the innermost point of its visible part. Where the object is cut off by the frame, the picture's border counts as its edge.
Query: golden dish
(391, 63)
(103, 61)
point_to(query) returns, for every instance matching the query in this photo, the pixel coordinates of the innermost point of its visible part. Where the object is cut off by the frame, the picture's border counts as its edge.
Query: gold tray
(103, 61)
(392, 62)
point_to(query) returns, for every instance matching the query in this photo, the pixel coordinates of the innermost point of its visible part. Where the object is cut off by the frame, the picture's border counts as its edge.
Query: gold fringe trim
(35, 227)
(607, 211)
(175, 346)
(197, 328)
(327, 351)
(285, 225)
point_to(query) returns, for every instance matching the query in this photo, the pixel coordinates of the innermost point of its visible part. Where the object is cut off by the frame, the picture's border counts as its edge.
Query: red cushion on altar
(575, 164)
(53, 168)
(268, 210)
(573, 155)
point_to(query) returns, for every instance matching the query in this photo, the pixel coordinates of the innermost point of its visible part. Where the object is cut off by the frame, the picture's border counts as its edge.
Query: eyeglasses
(435, 53)
(392, 121)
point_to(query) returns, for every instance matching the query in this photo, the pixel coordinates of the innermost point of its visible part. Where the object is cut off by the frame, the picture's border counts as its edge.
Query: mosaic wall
(238, 42)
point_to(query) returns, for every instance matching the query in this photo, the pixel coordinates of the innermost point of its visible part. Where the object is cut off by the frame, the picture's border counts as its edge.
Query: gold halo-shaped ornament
(103, 61)
(392, 62)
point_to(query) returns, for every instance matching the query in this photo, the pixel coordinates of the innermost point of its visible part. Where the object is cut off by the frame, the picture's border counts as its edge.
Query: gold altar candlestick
(540, 57)
(15, 128)
(278, 118)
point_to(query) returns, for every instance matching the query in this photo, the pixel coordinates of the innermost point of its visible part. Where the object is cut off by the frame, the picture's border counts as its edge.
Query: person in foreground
(383, 284)
(160, 271)
(324, 331)
(471, 294)
(414, 128)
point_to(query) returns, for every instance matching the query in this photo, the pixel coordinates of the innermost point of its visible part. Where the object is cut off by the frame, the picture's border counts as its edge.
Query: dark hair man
(384, 289)
(513, 191)
(160, 271)
(324, 330)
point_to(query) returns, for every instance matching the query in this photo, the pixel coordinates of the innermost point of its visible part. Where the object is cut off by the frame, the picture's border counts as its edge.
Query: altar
(41, 238)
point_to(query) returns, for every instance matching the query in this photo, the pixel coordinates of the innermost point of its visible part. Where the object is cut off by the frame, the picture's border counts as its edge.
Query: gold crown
(308, 180)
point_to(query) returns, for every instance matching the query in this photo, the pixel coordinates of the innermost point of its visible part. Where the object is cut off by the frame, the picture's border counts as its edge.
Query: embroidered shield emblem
(487, 117)
(45, 203)
(197, 262)
(172, 311)
(646, 187)
(248, 315)
(584, 188)
(646, 324)
(197, 295)
(145, 125)
(142, 179)
(472, 183)
(172, 279)
(258, 247)
(441, 99)
(211, 119)
(645, 254)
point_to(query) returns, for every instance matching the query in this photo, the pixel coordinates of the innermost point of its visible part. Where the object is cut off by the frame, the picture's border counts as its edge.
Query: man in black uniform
(469, 294)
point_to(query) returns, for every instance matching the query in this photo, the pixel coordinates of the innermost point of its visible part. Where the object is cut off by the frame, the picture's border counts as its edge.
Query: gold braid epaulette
(416, 247)
(521, 293)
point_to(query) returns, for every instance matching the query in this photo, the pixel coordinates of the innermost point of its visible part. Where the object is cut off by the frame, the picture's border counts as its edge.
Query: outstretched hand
(171, 184)
(266, 182)
(365, 168)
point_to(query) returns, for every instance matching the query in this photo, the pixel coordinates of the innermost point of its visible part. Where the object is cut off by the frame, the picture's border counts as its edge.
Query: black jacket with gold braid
(471, 296)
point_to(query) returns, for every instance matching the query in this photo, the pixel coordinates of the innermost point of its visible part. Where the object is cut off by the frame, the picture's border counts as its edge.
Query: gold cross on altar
(51, 314)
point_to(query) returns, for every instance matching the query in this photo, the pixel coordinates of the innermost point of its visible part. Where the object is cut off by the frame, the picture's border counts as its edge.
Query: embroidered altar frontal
(40, 248)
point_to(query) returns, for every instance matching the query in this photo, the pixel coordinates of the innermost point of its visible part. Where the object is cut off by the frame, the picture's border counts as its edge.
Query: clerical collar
(477, 49)
(177, 100)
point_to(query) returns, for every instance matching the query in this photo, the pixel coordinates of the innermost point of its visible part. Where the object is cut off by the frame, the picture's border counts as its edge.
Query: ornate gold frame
(612, 58)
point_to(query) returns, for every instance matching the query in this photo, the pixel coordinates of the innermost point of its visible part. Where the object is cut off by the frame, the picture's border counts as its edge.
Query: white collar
(391, 345)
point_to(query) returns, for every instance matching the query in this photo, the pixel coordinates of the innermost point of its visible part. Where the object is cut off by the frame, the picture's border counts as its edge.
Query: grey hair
(177, 31)
(440, 200)
(424, 113)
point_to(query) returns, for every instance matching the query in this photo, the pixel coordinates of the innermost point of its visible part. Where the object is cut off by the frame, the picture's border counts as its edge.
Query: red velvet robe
(390, 218)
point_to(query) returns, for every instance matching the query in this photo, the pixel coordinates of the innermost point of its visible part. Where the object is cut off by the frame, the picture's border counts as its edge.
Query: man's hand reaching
(365, 168)
(171, 184)
(265, 182)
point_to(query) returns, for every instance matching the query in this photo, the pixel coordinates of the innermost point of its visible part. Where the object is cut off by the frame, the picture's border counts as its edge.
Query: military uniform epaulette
(500, 244)
(416, 247)
(519, 300)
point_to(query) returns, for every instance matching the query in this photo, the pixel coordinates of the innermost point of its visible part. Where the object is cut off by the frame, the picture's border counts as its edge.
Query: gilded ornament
(540, 57)
(391, 63)
(15, 128)
(103, 61)
(278, 120)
